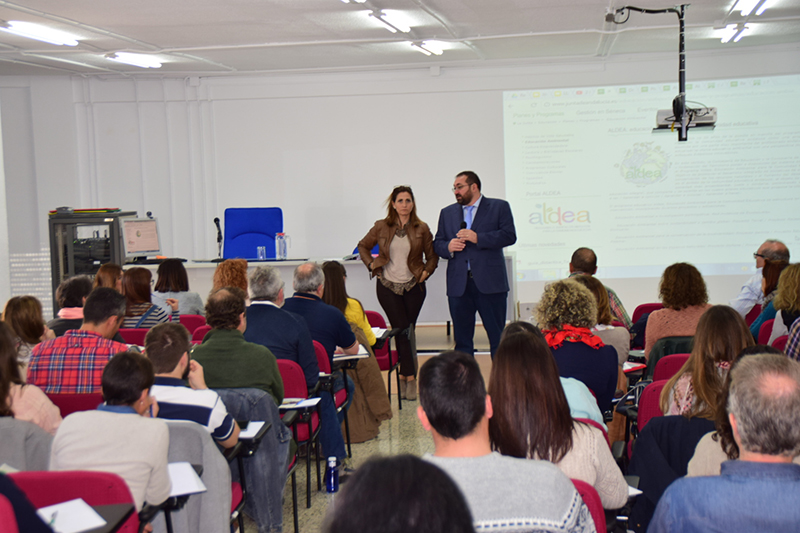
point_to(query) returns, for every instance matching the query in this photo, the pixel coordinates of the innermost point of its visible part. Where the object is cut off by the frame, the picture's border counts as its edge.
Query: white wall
(327, 148)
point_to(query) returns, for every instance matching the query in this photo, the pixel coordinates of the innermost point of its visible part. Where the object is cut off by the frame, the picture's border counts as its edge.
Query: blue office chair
(247, 228)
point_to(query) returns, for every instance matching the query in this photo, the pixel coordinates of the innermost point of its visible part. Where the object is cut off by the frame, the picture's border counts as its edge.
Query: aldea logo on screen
(557, 215)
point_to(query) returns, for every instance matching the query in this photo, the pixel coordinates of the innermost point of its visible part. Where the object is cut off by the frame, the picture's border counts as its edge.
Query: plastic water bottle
(331, 480)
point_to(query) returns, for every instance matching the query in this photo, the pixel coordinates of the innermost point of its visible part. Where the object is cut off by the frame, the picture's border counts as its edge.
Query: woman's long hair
(107, 276)
(724, 433)
(136, 287)
(24, 315)
(720, 336)
(9, 368)
(531, 414)
(600, 294)
(335, 292)
(391, 215)
(172, 277)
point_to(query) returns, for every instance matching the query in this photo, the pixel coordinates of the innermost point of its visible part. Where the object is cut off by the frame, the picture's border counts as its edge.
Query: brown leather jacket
(419, 237)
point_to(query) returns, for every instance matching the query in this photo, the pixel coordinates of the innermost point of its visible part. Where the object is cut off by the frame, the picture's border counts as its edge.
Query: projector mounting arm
(679, 103)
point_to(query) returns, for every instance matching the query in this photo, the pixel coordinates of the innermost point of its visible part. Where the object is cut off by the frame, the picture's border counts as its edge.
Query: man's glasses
(459, 187)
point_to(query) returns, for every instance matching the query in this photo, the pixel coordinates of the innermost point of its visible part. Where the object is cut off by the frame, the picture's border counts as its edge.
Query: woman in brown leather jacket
(402, 240)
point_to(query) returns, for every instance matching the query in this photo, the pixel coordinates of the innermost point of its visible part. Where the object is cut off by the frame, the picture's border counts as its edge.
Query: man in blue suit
(472, 234)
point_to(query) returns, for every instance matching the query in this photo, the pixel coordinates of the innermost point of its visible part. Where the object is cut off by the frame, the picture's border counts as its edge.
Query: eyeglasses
(756, 255)
(460, 186)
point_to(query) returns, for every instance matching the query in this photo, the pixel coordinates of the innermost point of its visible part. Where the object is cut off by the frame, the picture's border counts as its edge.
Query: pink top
(29, 403)
(671, 323)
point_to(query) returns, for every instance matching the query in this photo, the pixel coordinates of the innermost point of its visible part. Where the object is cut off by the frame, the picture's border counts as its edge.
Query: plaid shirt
(617, 310)
(72, 363)
(793, 344)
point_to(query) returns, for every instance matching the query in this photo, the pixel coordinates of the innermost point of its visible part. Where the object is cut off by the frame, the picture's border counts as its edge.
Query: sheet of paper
(73, 516)
(378, 331)
(308, 402)
(252, 429)
(184, 479)
(633, 492)
(628, 366)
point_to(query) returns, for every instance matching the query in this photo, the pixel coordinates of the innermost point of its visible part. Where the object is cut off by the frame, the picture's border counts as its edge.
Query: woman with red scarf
(566, 313)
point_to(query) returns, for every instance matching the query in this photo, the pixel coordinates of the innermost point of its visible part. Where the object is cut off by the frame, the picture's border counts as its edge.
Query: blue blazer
(494, 225)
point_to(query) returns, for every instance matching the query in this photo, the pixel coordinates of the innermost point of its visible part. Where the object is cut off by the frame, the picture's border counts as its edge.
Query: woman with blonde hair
(566, 313)
(693, 392)
(786, 301)
(683, 292)
(24, 315)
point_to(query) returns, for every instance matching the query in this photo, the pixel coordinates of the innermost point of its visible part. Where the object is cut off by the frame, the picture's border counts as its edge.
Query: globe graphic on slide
(644, 164)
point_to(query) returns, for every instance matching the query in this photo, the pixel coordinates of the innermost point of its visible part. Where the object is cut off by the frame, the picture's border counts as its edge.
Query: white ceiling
(222, 37)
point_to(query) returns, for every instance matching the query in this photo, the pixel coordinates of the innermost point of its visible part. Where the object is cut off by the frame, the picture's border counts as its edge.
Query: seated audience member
(230, 273)
(23, 402)
(532, 418)
(228, 360)
(74, 362)
(793, 342)
(584, 262)
(619, 338)
(751, 293)
(786, 302)
(327, 325)
(582, 403)
(718, 446)
(140, 311)
(566, 312)
(336, 295)
(109, 275)
(173, 283)
(24, 512)
(759, 491)
(693, 391)
(24, 315)
(370, 403)
(286, 335)
(769, 287)
(398, 495)
(120, 436)
(167, 346)
(503, 493)
(683, 293)
(70, 295)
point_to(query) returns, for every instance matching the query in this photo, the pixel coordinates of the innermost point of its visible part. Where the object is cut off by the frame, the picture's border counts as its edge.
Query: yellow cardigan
(355, 313)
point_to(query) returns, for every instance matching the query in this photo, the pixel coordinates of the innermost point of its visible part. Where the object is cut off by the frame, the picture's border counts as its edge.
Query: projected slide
(584, 168)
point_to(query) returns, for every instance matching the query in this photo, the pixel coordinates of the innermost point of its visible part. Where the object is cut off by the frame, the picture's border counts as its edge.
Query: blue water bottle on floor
(331, 480)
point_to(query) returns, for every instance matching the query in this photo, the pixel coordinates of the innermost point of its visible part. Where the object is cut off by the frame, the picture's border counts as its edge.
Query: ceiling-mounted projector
(698, 118)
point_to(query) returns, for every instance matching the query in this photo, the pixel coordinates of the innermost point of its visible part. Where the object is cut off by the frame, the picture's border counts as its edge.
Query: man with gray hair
(326, 325)
(760, 490)
(751, 293)
(285, 334)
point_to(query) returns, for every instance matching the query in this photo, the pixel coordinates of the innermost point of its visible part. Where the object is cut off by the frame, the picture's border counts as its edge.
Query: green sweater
(230, 362)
